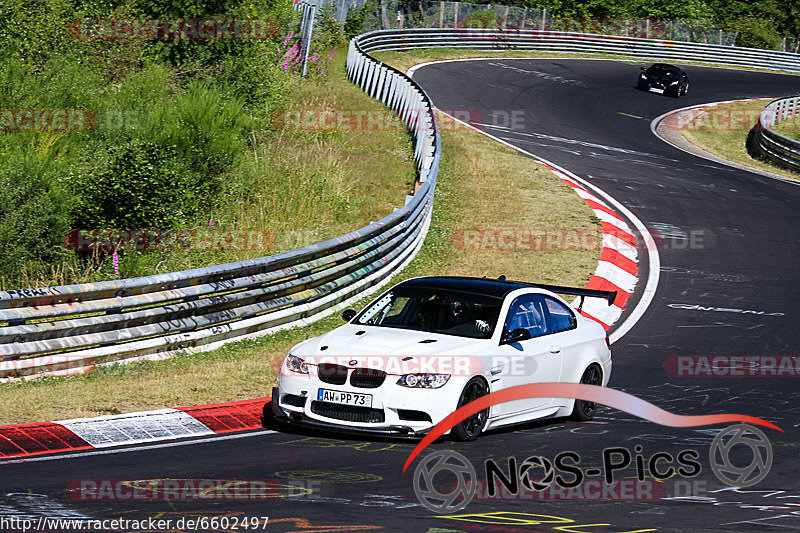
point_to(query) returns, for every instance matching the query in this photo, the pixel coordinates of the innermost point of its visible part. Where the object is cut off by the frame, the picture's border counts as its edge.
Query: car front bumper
(395, 410)
(299, 419)
(658, 86)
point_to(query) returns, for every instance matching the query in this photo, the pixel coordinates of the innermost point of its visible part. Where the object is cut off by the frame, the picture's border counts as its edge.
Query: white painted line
(653, 260)
(492, 126)
(133, 428)
(215, 438)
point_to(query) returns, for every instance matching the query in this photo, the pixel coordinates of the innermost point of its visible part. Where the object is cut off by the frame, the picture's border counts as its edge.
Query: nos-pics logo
(446, 481)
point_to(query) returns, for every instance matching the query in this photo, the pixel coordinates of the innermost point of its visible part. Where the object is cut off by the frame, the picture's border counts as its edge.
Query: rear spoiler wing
(610, 296)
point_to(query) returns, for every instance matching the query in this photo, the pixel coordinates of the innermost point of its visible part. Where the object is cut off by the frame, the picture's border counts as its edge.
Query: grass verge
(729, 142)
(482, 186)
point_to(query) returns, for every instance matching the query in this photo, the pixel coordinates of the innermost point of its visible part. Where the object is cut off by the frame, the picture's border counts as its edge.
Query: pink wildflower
(115, 262)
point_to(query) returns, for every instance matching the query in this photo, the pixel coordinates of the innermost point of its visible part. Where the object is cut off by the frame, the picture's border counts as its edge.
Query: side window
(561, 318)
(527, 312)
(393, 314)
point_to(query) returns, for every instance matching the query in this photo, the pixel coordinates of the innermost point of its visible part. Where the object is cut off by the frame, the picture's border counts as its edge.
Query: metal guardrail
(67, 329)
(71, 328)
(584, 43)
(771, 145)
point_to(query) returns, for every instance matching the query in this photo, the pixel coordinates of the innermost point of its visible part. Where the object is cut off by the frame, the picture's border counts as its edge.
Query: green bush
(174, 118)
(757, 33)
(34, 217)
(360, 20)
(141, 185)
(481, 18)
(35, 30)
(213, 52)
(205, 127)
(327, 32)
(256, 79)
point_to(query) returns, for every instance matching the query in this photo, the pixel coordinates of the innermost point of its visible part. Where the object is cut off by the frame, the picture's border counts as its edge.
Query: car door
(529, 361)
(563, 333)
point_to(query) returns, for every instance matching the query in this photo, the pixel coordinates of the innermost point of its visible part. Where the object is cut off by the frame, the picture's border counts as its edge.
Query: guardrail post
(307, 38)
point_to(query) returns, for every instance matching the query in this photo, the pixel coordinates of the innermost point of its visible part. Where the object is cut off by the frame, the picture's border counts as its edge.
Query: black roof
(498, 288)
(485, 286)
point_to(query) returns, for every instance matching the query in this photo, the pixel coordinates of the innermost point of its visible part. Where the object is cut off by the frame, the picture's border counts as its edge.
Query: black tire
(686, 89)
(271, 415)
(470, 428)
(676, 93)
(267, 416)
(584, 410)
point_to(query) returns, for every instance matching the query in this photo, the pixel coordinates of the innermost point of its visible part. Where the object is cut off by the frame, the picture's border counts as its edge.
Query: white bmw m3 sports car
(430, 345)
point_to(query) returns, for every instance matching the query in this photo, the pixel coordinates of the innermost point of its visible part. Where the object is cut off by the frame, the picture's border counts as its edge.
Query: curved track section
(728, 286)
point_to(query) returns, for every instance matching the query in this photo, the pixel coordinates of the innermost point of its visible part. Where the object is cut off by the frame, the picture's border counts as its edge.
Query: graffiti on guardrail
(167, 240)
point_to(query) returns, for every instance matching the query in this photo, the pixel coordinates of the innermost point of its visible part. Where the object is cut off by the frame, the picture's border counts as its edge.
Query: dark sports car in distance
(663, 78)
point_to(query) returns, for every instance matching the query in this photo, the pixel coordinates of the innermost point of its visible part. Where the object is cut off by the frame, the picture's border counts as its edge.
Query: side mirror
(348, 314)
(518, 335)
(641, 68)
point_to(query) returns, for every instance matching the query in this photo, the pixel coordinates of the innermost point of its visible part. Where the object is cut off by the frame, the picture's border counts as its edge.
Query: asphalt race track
(735, 291)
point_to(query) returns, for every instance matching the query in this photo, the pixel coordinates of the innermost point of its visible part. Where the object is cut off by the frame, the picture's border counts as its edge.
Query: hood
(358, 340)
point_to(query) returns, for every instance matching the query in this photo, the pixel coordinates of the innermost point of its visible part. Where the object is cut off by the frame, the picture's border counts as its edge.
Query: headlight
(423, 381)
(643, 76)
(295, 364)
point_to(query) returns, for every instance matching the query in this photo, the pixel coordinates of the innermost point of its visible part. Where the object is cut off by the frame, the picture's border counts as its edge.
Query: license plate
(345, 398)
(656, 90)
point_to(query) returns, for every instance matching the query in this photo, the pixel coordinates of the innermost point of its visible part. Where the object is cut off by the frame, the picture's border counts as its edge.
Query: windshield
(663, 70)
(434, 311)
